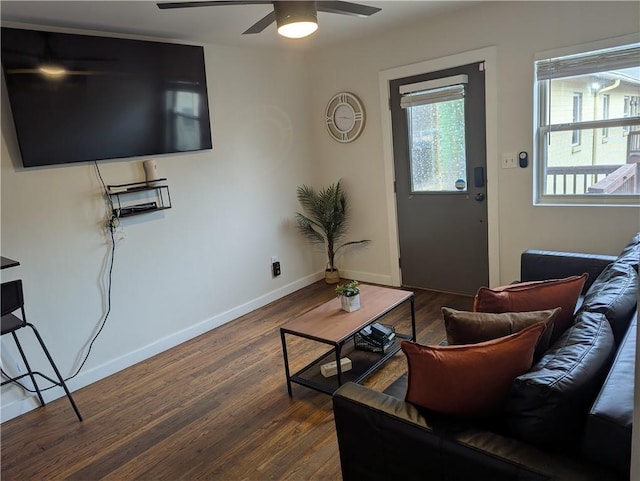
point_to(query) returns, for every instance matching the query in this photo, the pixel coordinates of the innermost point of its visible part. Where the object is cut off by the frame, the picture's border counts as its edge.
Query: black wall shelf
(138, 198)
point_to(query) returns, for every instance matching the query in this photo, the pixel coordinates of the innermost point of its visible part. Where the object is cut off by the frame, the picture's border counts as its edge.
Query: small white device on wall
(151, 171)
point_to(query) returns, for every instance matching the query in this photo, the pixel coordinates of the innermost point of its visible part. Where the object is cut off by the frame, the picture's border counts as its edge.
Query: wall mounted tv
(81, 98)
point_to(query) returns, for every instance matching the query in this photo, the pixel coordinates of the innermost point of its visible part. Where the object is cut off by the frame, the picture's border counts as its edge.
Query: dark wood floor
(215, 407)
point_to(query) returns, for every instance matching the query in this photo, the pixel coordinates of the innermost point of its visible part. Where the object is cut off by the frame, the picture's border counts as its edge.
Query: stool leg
(26, 363)
(55, 368)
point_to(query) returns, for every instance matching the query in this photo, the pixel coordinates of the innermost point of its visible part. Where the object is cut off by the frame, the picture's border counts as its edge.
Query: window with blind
(587, 129)
(436, 127)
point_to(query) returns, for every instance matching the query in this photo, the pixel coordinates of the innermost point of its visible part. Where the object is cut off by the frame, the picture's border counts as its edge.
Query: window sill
(587, 201)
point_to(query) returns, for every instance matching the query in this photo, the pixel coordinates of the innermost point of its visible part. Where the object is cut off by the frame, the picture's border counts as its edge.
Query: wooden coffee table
(328, 324)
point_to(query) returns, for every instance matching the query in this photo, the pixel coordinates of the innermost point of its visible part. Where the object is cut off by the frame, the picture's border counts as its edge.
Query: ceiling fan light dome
(297, 29)
(296, 19)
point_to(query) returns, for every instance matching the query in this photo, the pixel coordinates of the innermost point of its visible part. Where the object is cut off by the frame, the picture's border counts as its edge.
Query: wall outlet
(509, 160)
(275, 266)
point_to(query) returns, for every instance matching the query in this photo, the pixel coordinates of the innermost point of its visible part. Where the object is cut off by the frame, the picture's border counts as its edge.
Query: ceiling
(219, 24)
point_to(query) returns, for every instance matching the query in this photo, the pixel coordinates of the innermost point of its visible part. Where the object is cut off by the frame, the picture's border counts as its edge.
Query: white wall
(180, 272)
(517, 30)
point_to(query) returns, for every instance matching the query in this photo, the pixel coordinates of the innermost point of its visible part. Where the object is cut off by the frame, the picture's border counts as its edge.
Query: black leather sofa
(568, 418)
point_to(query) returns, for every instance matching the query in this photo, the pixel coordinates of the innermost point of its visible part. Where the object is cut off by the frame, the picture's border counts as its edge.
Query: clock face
(345, 117)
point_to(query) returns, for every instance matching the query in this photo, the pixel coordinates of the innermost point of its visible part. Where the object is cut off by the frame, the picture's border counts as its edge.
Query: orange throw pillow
(534, 296)
(468, 380)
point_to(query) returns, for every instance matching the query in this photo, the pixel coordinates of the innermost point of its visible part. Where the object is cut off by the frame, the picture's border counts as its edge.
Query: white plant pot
(350, 304)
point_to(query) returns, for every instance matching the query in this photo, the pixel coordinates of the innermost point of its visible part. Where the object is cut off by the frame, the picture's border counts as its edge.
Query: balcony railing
(621, 181)
(593, 179)
(633, 146)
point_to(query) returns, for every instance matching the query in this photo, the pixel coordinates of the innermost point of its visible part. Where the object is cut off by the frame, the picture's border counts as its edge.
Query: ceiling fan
(294, 19)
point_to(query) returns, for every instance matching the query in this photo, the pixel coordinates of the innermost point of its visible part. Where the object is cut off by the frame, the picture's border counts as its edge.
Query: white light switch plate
(509, 160)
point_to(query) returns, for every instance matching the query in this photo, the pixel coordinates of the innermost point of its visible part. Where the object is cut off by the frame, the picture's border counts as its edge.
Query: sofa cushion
(607, 437)
(548, 405)
(465, 327)
(614, 293)
(631, 253)
(534, 296)
(471, 379)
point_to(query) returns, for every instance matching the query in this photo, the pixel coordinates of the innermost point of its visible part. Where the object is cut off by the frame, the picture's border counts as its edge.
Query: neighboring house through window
(605, 116)
(577, 117)
(630, 109)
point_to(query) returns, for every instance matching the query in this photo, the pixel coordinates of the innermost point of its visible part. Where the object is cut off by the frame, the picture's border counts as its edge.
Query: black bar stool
(12, 300)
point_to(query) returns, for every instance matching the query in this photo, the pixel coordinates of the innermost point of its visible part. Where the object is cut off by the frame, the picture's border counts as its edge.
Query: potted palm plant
(349, 296)
(325, 222)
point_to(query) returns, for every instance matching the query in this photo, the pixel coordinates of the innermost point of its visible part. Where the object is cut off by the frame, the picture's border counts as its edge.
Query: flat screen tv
(81, 98)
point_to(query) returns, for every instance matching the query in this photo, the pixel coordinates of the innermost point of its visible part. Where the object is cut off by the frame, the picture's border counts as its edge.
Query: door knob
(479, 197)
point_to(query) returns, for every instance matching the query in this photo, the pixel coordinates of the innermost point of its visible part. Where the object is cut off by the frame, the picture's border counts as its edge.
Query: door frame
(489, 56)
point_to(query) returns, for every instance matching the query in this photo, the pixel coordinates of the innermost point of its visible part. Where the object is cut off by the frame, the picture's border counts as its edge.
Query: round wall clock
(345, 117)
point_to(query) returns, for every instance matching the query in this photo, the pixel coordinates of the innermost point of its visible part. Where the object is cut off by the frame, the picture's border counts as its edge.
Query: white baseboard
(384, 280)
(21, 406)
(26, 404)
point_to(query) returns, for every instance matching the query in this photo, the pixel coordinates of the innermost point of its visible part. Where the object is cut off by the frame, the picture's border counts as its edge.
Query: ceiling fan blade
(260, 25)
(347, 8)
(170, 5)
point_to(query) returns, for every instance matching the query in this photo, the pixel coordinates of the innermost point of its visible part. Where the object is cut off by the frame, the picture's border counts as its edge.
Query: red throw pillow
(472, 379)
(534, 296)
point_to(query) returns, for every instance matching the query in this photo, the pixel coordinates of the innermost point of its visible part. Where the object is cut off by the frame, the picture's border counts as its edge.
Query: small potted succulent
(349, 296)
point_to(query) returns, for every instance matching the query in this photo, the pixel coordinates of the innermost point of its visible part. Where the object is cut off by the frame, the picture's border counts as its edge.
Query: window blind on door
(433, 91)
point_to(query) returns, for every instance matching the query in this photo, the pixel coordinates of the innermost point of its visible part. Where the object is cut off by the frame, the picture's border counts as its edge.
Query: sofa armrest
(538, 265)
(381, 437)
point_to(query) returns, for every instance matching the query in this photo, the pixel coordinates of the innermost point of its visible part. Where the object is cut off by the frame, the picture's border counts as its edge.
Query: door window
(436, 134)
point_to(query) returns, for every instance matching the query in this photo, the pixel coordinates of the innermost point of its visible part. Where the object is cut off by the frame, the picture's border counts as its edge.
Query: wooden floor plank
(214, 407)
